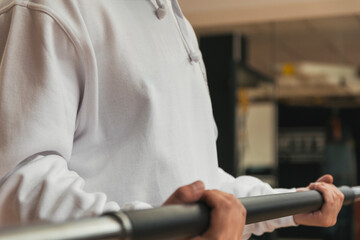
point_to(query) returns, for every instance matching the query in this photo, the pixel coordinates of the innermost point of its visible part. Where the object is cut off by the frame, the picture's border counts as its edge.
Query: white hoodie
(104, 103)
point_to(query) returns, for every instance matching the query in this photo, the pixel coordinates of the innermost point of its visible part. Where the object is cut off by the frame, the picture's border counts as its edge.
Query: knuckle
(233, 198)
(329, 222)
(211, 192)
(183, 194)
(341, 196)
(334, 222)
(241, 208)
(325, 223)
(243, 213)
(330, 200)
(226, 205)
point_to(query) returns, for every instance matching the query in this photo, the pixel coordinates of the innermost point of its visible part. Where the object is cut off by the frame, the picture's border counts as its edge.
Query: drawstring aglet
(161, 12)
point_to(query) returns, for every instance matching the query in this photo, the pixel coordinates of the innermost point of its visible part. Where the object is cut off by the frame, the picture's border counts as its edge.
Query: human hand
(333, 200)
(228, 215)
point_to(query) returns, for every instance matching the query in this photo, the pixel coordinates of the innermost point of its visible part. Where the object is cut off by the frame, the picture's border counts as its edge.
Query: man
(105, 104)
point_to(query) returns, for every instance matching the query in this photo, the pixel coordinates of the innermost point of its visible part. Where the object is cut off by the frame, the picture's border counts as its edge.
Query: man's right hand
(228, 215)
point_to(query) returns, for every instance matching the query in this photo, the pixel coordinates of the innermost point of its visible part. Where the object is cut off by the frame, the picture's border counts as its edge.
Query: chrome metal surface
(126, 225)
(356, 192)
(92, 228)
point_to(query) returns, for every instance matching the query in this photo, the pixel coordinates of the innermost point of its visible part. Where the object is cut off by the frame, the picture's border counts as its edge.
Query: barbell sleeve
(173, 221)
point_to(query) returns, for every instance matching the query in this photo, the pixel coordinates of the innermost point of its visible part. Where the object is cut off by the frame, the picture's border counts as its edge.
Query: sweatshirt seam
(74, 40)
(9, 6)
(47, 11)
(44, 10)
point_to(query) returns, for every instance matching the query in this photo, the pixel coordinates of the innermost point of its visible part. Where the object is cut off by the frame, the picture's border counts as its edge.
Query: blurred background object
(284, 79)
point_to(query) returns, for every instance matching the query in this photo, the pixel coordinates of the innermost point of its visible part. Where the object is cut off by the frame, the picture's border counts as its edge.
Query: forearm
(44, 189)
(246, 186)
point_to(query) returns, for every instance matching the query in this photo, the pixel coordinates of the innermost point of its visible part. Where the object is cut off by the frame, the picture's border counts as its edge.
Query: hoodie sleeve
(41, 81)
(246, 186)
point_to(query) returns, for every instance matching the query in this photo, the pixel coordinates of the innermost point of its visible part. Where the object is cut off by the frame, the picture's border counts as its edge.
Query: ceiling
(280, 31)
(326, 40)
(215, 14)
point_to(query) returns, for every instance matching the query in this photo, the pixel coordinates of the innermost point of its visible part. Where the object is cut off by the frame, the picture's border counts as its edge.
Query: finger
(331, 204)
(327, 215)
(215, 198)
(227, 215)
(187, 194)
(220, 207)
(324, 189)
(326, 178)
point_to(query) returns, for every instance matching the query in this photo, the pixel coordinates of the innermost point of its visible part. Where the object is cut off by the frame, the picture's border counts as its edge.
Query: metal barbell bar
(173, 221)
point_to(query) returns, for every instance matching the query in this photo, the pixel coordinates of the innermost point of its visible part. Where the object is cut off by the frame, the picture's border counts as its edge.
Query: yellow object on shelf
(288, 69)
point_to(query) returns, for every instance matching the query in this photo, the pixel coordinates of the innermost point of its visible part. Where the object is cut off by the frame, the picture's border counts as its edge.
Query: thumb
(326, 179)
(187, 194)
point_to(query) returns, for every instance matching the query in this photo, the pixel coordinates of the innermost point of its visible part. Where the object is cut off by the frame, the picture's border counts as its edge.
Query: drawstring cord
(161, 10)
(179, 18)
(193, 54)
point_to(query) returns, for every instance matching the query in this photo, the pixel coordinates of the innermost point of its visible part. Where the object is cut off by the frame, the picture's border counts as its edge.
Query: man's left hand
(333, 201)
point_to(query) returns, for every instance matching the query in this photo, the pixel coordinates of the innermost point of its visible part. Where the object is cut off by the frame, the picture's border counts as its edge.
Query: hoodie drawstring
(180, 20)
(161, 10)
(179, 16)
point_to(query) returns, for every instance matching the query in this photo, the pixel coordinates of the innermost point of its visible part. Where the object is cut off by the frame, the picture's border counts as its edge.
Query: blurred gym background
(284, 78)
